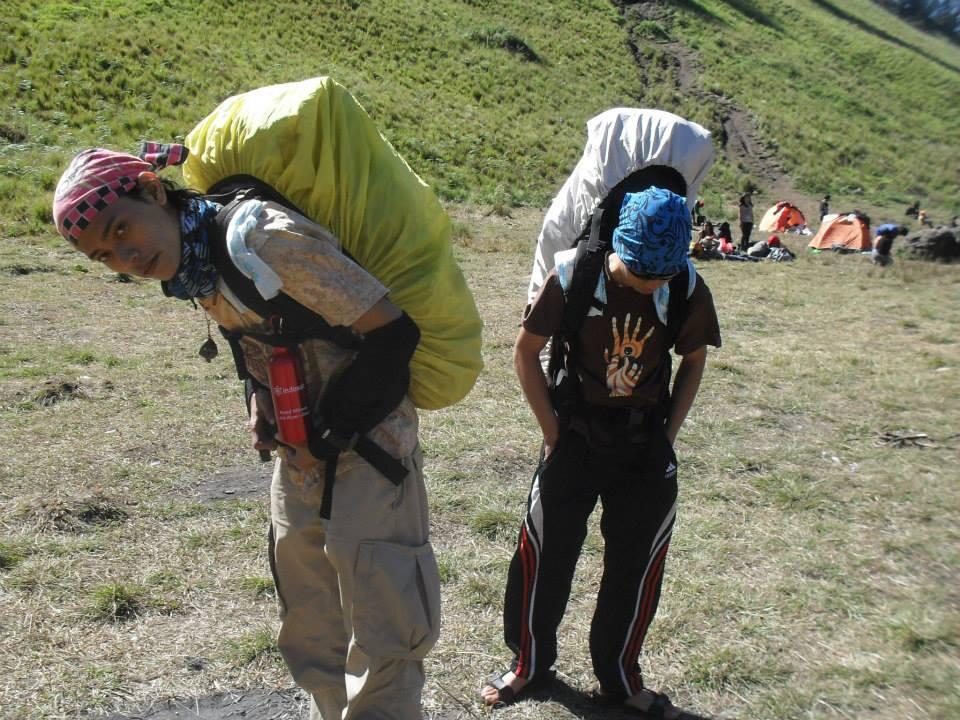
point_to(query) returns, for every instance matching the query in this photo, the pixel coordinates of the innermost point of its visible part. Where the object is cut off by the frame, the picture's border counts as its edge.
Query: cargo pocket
(396, 611)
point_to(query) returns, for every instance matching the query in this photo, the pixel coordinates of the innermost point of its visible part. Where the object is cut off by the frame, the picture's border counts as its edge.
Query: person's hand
(299, 457)
(262, 422)
(551, 437)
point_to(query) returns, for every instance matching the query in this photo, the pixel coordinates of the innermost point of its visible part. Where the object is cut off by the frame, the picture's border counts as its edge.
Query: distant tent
(847, 232)
(782, 217)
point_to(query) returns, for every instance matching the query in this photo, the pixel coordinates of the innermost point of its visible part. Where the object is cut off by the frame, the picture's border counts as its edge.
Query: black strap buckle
(340, 441)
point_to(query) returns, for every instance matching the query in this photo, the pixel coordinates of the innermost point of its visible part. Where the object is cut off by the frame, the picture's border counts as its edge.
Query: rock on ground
(939, 243)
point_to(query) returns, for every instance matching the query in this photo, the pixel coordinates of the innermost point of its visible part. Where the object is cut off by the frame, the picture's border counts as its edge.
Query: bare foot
(491, 696)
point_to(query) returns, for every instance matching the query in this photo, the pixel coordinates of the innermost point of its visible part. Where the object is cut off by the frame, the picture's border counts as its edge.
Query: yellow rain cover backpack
(315, 144)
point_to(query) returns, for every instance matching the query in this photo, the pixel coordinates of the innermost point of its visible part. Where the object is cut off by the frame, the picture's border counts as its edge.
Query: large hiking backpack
(628, 150)
(315, 144)
(620, 142)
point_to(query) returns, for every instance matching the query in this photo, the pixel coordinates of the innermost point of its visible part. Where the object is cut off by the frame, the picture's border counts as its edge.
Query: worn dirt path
(738, 140)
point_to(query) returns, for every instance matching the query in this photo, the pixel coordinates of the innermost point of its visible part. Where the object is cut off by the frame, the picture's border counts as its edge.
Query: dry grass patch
(74, 514)
(811, 572)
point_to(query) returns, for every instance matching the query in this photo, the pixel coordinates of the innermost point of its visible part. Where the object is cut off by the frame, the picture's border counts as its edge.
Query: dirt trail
(738, 138)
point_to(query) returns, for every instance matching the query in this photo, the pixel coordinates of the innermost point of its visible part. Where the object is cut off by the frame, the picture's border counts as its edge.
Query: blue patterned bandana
(196, 276)
(654, 232)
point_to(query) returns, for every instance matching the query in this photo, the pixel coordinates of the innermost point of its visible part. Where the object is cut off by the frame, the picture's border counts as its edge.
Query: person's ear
(151, 188)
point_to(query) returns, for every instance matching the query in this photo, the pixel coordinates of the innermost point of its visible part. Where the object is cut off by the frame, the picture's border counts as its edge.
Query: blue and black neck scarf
(196, 277)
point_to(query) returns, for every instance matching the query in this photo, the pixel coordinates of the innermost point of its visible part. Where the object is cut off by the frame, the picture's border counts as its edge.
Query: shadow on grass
(745, 7)
(587, 706)
(696, 8)
(883, 34)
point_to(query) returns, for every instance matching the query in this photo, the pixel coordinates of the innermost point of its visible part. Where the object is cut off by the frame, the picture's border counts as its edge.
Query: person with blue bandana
(615, 446)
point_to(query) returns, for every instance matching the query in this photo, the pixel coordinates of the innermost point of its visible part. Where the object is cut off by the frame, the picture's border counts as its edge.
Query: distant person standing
(746, 220)
(698, 216)
(883, 243)
(825, 206)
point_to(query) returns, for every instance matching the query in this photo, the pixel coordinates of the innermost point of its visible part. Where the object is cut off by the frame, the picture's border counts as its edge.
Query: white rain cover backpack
(620, 141)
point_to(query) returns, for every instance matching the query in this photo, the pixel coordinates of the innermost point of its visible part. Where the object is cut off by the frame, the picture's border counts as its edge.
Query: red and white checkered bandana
(97, 177)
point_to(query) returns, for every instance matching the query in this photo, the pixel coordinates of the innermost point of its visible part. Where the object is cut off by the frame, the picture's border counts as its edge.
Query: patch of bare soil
(236, 483)
(260, 705)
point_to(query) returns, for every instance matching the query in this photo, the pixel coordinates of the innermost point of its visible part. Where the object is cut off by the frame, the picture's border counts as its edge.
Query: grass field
(812, 573)
(488, 100)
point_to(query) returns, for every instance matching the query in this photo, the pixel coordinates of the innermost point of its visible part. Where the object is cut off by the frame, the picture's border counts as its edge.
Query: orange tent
(782, 217)
(850, 232)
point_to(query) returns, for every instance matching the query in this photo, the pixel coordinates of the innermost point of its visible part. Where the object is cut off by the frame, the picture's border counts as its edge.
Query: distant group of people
(717, 242)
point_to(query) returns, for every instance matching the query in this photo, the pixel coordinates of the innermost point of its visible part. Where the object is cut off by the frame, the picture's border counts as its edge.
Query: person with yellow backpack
(318, 252)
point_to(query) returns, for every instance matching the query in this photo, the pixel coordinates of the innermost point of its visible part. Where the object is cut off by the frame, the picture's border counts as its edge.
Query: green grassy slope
(487, 100)
(856, 101)
(470, 114)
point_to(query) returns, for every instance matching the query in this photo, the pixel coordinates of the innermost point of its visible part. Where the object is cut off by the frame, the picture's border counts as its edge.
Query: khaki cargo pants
(359, 593)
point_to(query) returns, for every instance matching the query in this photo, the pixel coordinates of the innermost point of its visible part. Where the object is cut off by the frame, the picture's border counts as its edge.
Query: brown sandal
(506, 695)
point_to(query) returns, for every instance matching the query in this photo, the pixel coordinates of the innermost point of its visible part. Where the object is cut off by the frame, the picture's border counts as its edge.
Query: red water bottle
(289, 392)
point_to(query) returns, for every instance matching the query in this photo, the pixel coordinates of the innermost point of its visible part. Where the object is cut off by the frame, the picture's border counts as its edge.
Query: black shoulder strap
(231, 188)
(295, 321)
(562, 369)
(678, 305)
(587, 266)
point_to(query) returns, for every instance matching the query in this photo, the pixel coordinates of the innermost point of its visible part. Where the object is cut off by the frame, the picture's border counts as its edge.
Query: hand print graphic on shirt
(623, 365)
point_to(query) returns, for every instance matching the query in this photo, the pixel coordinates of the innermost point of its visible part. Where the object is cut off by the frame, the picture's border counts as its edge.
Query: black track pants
(638, 492)
(745, 230)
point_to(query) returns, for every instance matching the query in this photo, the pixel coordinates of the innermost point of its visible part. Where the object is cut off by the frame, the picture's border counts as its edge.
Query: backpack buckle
(340, 441)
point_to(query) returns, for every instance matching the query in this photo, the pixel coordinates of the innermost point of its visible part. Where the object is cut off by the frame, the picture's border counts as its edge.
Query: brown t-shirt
(623, 359)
